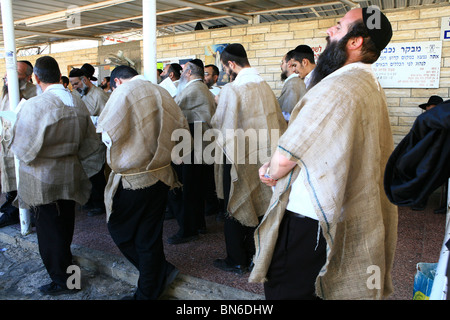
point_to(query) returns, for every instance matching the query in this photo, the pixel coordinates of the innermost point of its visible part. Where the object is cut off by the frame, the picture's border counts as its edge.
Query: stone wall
(266, 44)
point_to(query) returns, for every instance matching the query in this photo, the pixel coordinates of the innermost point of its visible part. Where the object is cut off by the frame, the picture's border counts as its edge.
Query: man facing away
(136, 126)
(293, 87)
(27, 90)
(188, 203)
(248, 106)
(52, 175)
(329, 197)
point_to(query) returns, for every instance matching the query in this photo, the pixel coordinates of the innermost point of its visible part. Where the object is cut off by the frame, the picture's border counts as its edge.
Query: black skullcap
(236, 49)
(198, 63)
(378, 25)
(89, 70)
(76, 72)
(303, 48)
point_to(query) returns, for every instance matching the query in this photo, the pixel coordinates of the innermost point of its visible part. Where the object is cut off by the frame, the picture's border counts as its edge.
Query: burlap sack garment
(51, 141)
(293, 90)
(250, 106)
(138, 121)
(7, 166)
(340, 136)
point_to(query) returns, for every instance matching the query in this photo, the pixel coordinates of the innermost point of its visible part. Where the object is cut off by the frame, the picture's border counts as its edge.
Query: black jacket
(421, 161)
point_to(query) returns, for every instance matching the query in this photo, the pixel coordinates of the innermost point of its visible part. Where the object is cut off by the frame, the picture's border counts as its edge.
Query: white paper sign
(410, 65)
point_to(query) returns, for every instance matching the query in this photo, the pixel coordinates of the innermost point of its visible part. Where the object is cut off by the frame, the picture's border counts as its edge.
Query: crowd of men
(308, 219)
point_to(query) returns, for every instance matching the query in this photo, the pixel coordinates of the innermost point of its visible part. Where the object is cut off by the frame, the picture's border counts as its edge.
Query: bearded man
(95, 99)
(246, 105)
(27, 90)
(188, 203)
(328, 177)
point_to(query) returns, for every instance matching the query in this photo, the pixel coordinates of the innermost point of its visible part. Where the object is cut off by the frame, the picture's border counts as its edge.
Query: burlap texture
(51, 140)
(139, 119)
(252, 107)
(340, 136)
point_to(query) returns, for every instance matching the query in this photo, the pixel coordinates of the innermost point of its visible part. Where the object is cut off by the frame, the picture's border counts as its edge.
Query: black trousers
(296, 261)
(187, 204)
(136, 227)
(239, 239)
(98, 181)
(55, 224)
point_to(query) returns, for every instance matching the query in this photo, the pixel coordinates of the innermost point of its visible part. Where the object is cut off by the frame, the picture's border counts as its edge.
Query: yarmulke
(236, 49)
(198, 63)
(378, 25)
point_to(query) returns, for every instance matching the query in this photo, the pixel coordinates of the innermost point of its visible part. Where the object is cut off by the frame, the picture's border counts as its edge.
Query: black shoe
(55, 289)
(9, 219)
(222, 264)
(96, 212)
(176, 239)
(172, 273)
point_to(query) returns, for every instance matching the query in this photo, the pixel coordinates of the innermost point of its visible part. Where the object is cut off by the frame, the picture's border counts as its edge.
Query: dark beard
(283, 75)
(332, 58)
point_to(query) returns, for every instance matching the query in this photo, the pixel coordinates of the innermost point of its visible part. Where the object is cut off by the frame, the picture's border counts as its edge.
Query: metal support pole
(149, 41)
(13, 88)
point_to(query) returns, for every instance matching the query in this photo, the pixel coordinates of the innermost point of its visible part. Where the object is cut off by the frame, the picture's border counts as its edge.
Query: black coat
(421, 161)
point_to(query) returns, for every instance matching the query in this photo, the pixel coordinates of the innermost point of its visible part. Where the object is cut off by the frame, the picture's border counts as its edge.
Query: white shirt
(307, 79)
(247, 75)
(299, 199)
(59, 91)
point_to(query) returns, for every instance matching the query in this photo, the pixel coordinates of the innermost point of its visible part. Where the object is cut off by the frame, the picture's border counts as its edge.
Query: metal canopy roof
(39, 22)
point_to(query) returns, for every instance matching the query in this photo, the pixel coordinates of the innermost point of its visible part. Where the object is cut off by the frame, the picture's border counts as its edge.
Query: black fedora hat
(433, 100)
(89, 70)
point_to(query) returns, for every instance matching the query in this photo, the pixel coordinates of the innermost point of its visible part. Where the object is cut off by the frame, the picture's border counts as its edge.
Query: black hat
(76, 72)
(236, 49)
(378, 25)
(433, 100)
(198, 63)
(89, 70)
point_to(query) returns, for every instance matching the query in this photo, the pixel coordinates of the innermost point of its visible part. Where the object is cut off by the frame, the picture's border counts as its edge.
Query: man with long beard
(95, 99)
(7, 166)
(328, 177)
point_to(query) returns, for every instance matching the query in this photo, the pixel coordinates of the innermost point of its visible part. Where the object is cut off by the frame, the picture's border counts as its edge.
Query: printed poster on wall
(410, 65)
(212, 56)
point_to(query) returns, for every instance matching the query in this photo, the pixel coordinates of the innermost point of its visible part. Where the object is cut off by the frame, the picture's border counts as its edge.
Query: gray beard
(182, 84)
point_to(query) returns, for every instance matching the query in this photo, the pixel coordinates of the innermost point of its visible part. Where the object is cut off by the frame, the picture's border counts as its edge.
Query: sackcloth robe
(197, 104)
(7, 164)
(293, 90)
(136, 126)
(95, 101)
(250, 107)
(51, 139)
(341, 139)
